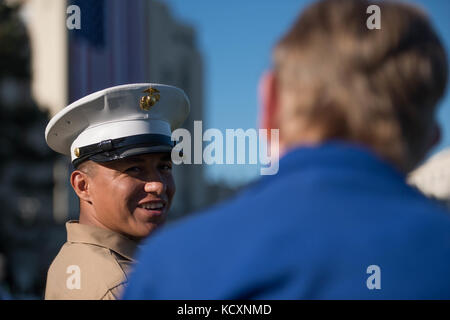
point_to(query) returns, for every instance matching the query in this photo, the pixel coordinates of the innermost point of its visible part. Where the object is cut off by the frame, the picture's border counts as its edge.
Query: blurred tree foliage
(19, 121)
(22, 150)
(14, 48)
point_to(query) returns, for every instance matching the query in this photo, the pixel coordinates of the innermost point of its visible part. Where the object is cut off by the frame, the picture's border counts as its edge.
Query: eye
(133, 169)
(166, 166)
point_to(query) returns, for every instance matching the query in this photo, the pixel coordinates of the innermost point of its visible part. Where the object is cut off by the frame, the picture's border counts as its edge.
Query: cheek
(129, 193)
(170, 183)
(98, 188)
(121, 194)
(106, 197)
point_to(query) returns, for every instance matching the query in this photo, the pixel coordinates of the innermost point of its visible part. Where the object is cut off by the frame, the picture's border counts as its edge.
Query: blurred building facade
(29, 237)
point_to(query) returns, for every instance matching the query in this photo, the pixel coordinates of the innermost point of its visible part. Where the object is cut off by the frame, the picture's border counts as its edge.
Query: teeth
(151, 206)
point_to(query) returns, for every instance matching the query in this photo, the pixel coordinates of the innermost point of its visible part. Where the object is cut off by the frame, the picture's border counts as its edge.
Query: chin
(146, 230)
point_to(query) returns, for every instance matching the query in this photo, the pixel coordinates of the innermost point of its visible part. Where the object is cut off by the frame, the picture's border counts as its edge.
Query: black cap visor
(110, 150)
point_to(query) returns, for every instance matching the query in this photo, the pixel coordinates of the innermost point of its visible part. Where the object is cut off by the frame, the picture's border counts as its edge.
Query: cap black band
(114, 149)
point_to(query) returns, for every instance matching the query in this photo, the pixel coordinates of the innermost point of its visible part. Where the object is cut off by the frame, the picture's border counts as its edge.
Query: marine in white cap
(119, 141)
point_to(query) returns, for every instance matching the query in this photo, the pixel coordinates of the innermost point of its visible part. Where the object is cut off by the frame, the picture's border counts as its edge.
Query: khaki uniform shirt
(92, 265)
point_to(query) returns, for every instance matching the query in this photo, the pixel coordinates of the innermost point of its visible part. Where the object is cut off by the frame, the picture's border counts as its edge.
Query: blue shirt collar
(337, 154)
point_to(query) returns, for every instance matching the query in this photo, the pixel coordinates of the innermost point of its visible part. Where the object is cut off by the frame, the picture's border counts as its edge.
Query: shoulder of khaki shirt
(92, 265)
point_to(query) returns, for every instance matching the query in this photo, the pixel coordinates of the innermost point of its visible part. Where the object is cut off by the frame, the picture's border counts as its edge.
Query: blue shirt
(312, 231)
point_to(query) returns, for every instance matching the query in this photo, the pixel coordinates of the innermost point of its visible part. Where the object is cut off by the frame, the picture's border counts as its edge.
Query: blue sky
(235, 39)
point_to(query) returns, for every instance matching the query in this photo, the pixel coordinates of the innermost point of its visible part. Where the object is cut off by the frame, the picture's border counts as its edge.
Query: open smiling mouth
(153, 208)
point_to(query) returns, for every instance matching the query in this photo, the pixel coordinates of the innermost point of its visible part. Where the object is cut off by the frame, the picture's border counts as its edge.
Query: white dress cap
(118, 122)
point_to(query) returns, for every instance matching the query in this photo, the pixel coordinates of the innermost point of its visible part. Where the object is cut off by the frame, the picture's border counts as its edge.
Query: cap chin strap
(112, 149)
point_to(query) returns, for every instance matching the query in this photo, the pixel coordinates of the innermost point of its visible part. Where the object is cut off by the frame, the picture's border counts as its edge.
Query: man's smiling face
(132, 196)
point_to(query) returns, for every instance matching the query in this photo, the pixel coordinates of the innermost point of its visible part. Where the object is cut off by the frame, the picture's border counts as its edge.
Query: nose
(157, 187)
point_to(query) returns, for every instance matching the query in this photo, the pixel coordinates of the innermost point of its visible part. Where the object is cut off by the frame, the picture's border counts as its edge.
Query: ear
(268, 92)
(80, 184)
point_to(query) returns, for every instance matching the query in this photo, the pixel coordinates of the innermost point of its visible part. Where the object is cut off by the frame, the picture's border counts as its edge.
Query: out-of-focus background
(214, 50)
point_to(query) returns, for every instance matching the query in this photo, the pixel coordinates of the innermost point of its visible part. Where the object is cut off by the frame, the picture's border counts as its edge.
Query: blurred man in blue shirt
(356, 111)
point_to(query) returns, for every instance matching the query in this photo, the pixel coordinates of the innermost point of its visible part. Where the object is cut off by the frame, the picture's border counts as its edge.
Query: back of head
(377, 87)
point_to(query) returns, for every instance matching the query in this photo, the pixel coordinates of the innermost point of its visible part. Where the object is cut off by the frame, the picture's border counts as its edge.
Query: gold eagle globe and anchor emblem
(149, 100)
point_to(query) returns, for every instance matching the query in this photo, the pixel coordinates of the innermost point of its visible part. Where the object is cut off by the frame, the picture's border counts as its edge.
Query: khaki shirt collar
(114, 241)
